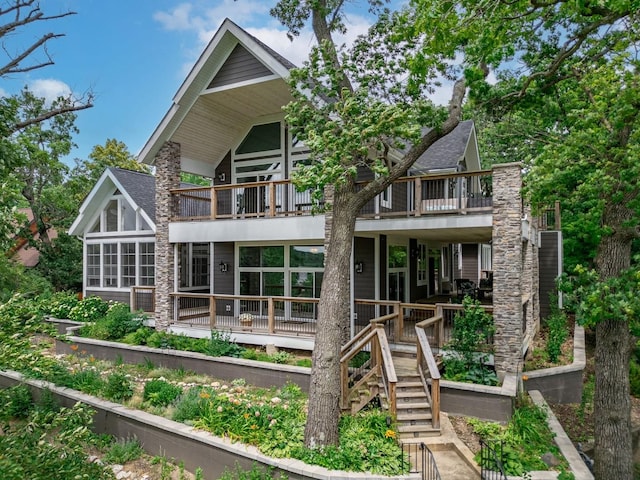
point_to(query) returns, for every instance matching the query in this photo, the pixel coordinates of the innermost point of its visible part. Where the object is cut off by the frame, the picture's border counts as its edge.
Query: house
(250, 247)
(21, 251)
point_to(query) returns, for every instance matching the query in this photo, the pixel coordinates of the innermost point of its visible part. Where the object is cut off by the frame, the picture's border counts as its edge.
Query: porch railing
(273, 315)
(421, 460)
(467, 192)
(143, 299)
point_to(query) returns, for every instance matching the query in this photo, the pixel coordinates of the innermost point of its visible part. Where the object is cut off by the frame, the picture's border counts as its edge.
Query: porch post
(507, 267)
(167, 178)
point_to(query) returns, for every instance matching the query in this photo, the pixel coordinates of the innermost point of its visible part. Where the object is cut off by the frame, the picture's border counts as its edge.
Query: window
(127, 264)
(147, 264)
(485, 257)
(110, 265)
(386, 196)
(200, 265)
(422, 265)
(111, 216)
(278, 270)
(261, 138)
(93, 265)
(128, 216)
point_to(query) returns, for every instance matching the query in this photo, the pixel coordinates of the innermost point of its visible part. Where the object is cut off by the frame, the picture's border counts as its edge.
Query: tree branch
(67, 107)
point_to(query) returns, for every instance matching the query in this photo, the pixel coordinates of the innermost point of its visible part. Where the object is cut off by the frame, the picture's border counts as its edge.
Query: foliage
(160, 393)
(557, 333)
(118, 322)
(524, 439)
(221, 345)
(16, 278)
(123, 451)
(60, 262)
(119, 387)
(596, 299)
(60, 304)
(17, 403)
(56, 443)
(255, 473)
(87, 380)
(86, 173)
(89, 309)
(466, 351)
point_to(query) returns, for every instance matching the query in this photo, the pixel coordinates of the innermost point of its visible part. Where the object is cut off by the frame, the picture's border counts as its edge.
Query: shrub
(87, 381)
(256, 473)
(190, 404)
(160, 393)
(60, 304)
(15, 402)
(280, 357)
(89, 310)
(123, 451)
(118, 387)
(116, 323)
(139, 337)
(466, 352)
(221, 345)
(557, 333)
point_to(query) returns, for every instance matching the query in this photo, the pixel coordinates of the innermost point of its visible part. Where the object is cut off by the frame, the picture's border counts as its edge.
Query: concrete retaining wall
(260, 374)
(160, 436)
(481, 401)
(561, 384)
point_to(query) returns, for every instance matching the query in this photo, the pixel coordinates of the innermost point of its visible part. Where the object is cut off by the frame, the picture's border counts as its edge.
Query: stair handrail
(425, 356)
(380, 363)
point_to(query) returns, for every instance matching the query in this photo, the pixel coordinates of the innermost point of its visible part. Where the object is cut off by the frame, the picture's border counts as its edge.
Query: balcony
(458, 193)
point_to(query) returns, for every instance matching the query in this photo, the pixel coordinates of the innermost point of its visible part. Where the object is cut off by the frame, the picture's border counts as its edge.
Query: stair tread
(409, 384)
(407, 417)
(415, 405)
(421, 427)
(411, 394)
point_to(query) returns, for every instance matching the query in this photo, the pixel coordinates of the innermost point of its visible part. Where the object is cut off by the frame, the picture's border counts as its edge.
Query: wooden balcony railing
(462, 193)
(143, 299)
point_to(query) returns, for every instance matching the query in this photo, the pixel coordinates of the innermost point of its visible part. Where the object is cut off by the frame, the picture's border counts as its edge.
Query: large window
(93, 265)
(278, 270)
(110, 265)
(119, 265)
(119, 216)
(194, 265)
(147, 264)
(422, 265)
(127, 264)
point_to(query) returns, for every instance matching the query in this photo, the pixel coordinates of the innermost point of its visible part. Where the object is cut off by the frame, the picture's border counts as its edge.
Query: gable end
(240, 66)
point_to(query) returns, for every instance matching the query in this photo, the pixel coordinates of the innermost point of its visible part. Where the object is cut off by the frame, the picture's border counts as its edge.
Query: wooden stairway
(413, 409)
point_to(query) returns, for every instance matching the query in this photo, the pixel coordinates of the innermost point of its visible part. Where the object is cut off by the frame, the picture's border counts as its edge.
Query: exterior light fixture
(224, 267)
(359, 267)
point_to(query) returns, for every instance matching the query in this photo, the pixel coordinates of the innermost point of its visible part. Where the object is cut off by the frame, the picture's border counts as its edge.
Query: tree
(86, 173)
(15, 15)
(354, 106)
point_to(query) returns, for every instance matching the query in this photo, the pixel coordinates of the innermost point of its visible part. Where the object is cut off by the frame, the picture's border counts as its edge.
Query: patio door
(397, 272)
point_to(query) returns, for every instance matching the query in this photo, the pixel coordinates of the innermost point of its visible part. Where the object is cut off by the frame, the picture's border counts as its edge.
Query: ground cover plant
(271, 419)
(524, 441)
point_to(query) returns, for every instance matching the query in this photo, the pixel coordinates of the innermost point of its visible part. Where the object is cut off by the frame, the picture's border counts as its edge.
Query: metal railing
(491, 461)
(421, 460)
(273, 315)
(462, 193)
(143, 299)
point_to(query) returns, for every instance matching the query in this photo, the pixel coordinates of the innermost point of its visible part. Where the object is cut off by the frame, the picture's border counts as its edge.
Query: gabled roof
(236, 79)
(449, 151)
(136, 187)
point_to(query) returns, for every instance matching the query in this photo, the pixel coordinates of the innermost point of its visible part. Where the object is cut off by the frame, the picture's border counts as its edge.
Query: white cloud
(49, 88)
(176, 19)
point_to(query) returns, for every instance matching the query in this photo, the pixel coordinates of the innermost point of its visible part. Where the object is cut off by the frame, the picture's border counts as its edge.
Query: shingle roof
(446, 152)
(141, 187)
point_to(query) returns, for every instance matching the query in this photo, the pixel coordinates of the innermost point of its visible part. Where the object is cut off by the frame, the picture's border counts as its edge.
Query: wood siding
(223, 282)
(365, 282)
(548, 258)
(384, 293)
(240, 66)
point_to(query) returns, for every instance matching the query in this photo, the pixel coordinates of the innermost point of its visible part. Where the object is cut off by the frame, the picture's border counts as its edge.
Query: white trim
(244, 83)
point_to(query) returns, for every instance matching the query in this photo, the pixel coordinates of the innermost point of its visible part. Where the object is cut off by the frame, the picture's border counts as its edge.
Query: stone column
(507, 266)
(167, 178)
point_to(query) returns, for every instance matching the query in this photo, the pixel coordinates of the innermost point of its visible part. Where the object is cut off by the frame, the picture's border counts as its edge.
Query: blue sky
(134, 54)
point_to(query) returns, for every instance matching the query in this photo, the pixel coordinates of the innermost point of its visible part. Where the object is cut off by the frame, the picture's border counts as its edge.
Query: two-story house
(251, 243)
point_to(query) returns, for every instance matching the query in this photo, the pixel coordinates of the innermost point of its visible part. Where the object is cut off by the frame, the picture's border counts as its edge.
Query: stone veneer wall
(167, 178)
(507, 266)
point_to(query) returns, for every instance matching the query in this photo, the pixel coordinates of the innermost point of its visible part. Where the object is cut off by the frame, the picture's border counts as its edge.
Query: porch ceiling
(446, 229)
(219, 117)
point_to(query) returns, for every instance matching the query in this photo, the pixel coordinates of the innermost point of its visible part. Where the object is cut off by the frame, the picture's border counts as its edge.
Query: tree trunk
(332, 326)
(612, 402)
